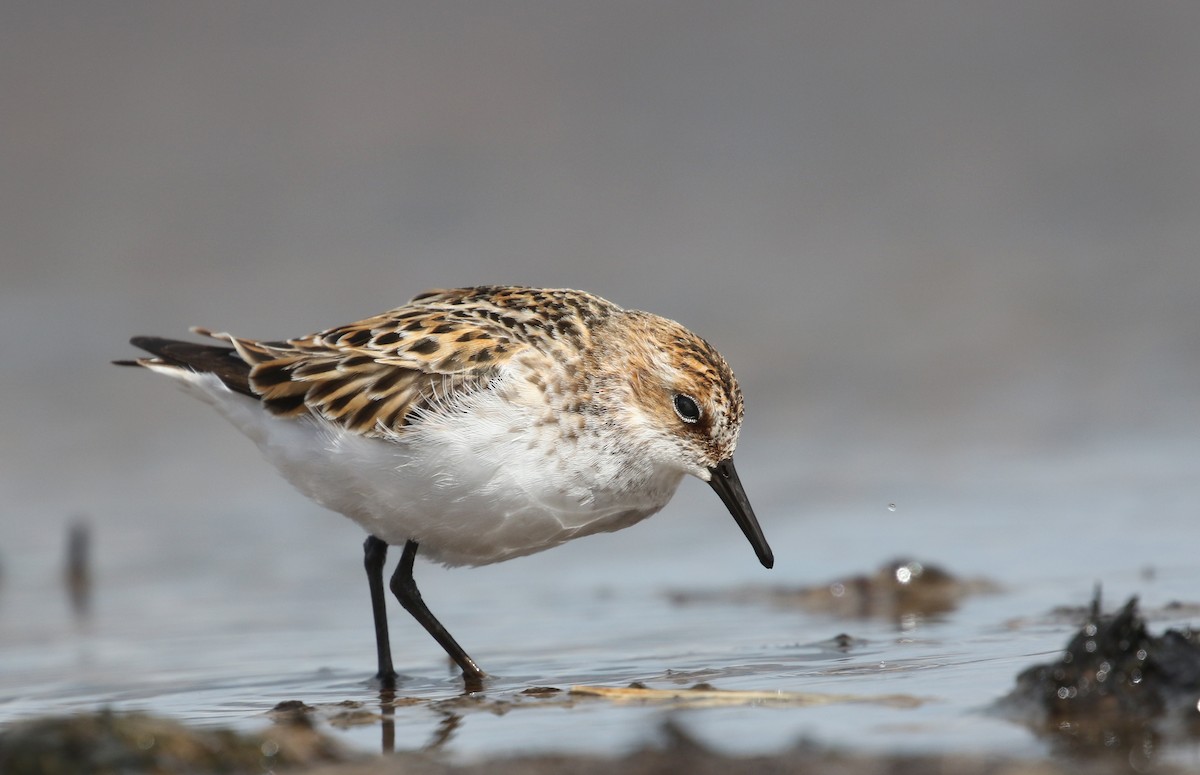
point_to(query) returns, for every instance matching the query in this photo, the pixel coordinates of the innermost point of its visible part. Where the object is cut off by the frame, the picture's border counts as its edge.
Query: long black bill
(725, 481)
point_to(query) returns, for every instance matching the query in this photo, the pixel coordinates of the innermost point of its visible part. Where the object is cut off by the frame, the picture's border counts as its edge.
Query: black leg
(374, 554)
(405, 590)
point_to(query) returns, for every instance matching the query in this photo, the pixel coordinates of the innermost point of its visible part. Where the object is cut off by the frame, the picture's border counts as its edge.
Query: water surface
(236, 610)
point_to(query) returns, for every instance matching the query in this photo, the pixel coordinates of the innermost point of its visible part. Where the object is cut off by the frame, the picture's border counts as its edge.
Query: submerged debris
(903, 590)
(1116, 686)
(77, 573)
(704, 695)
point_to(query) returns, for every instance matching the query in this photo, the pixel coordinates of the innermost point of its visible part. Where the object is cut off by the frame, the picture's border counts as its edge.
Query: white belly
(471, 488)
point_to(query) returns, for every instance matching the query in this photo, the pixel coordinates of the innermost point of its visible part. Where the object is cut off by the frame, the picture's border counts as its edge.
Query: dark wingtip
(202, 358)
(149, 343)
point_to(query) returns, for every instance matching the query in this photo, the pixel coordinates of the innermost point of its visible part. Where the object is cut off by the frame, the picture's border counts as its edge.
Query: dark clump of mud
(106, 742)
(900, 590)
(1115, 688)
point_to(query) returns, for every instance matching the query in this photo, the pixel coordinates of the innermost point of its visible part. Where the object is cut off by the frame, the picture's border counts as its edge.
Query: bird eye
(687, 408)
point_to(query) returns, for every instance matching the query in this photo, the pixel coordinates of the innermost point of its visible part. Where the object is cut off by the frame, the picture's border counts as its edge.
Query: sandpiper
(477, 425)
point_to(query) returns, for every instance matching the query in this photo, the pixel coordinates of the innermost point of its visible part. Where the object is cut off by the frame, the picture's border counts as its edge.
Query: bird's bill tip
(724, 479)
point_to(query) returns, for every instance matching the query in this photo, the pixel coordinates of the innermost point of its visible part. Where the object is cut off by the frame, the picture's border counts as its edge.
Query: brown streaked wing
(369, 376)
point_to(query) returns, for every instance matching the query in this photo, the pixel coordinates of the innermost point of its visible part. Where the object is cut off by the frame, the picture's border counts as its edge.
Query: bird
(476, 425)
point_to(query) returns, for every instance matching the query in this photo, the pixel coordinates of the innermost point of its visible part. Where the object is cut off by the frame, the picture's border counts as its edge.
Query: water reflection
(443, 733)
(445, 730)
(387, 720)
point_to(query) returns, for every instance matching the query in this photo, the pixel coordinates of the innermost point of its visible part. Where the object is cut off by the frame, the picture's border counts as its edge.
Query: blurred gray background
(939, 242)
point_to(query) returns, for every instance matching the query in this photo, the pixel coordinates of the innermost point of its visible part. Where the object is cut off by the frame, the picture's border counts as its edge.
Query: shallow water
(235, 611)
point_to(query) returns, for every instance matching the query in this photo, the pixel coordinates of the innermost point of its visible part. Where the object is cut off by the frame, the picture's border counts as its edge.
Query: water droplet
(891, 507)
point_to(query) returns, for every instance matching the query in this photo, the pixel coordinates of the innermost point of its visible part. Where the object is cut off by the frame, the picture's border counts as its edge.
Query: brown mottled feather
(370, 376)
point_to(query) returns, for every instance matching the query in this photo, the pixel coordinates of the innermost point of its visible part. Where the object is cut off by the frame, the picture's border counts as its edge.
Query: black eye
(686, 408)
